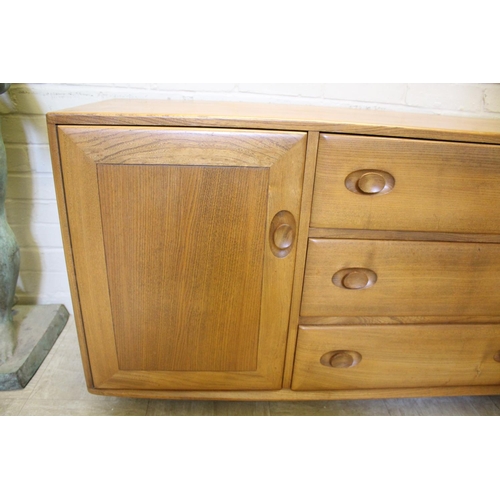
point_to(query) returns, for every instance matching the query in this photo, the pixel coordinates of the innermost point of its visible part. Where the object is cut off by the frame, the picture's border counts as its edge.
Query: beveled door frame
(283, 153)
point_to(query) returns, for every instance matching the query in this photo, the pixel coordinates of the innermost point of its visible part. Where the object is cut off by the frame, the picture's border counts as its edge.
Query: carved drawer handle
(370, 182)
(282, 234)
(496, 357)
(341, 359)
(354, 279)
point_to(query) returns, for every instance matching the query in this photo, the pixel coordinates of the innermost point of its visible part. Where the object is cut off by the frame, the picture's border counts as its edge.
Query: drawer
(347, 357)
(401, 278)
(408, 185)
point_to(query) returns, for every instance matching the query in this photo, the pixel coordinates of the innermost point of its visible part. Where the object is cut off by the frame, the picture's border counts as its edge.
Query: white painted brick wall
(492, 99)
(288, 89)
(31, 206)
(458, 97)
(381, 93)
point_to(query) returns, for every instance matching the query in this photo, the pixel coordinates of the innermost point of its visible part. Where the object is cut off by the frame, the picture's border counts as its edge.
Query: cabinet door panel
(184, 253)
(177, 283)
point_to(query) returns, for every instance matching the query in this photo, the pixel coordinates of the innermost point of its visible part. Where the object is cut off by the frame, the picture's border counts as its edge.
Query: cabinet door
(184, 270)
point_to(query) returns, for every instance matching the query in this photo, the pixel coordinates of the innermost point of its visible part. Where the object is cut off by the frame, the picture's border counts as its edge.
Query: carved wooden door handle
(341, 359)
(370, 182)
(282, 234)
(354, 279)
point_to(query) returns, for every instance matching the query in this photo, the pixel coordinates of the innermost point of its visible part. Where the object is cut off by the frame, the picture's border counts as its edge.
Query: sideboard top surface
(123, 112)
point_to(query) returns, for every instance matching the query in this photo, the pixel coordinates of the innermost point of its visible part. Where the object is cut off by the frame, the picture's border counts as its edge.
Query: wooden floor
(58, 388)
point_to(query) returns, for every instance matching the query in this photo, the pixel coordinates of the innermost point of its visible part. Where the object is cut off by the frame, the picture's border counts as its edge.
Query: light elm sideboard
(269, 252)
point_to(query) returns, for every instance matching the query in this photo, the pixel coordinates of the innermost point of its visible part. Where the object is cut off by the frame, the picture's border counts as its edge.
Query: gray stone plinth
(37, 328)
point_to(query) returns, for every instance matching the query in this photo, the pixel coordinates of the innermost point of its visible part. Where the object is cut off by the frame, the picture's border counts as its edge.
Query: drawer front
(408, 185)
(401, 278)
(337, 358)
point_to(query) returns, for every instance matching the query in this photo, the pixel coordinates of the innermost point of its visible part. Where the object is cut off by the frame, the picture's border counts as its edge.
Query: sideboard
(238, 251)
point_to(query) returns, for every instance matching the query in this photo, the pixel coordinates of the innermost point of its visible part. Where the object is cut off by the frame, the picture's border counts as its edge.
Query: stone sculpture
(28, 333)
(9, 263)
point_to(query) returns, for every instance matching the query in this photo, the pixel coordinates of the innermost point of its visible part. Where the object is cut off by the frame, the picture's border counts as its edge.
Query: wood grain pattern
(289, 395)
(357, 234)
(84, 219)
(396, 320)
(439, 186)
(188, 147)
(108, 156)
(413, 279)
(68, 249)
(184, 250)
(281, 117)
(301, 244)
(399, 356)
